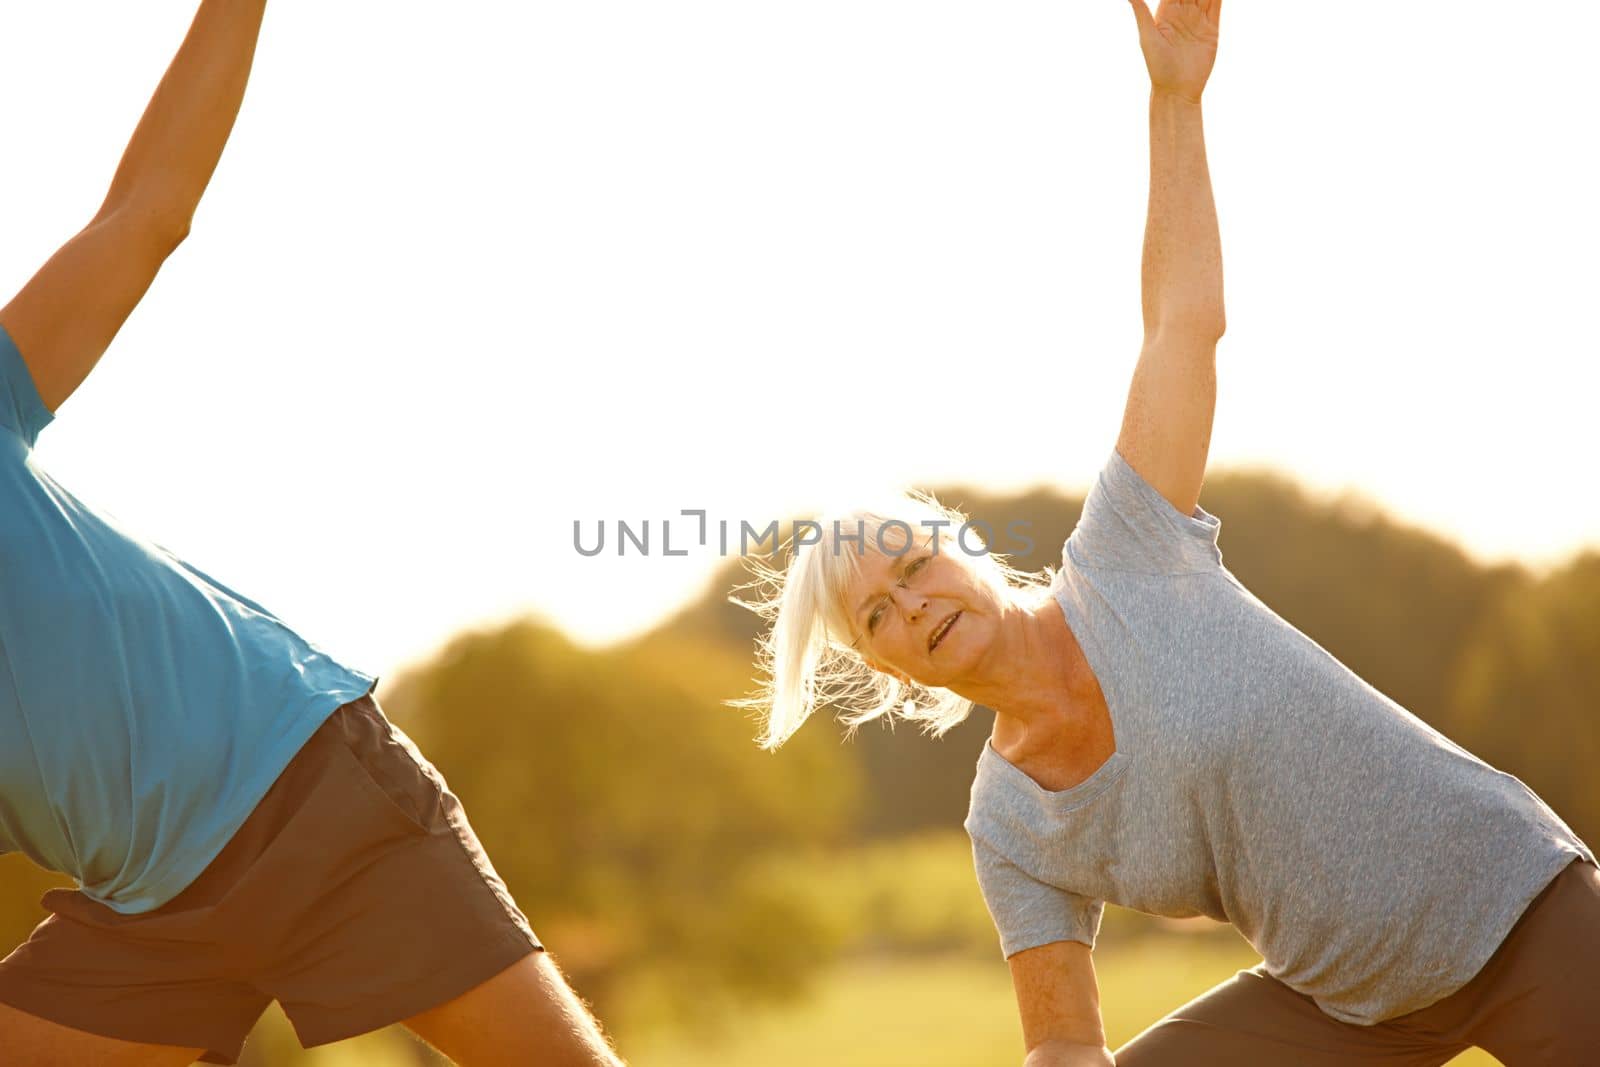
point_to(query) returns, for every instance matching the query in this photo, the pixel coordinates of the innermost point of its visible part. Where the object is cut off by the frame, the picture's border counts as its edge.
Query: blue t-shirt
(145, 708)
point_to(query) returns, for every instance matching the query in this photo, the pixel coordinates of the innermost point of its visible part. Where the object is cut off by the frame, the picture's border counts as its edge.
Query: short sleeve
(21, 409)
(1028, 913)
(1128, 526)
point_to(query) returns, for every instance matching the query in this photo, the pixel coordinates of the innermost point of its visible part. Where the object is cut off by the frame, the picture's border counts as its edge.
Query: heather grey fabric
(1374, 864)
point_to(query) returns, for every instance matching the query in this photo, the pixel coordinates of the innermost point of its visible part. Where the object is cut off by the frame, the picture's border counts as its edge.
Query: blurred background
(469, 277)
(723, 905)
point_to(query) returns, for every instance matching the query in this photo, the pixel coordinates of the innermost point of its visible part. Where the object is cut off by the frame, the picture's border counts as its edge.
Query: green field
(947, 1011)
(918, 979)
(952, 1011)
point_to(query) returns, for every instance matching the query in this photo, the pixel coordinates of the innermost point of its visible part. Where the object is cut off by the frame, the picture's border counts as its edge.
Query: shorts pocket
(389, 777)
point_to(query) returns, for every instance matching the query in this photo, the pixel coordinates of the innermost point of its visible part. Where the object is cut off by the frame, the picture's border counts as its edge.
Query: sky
(470, 274)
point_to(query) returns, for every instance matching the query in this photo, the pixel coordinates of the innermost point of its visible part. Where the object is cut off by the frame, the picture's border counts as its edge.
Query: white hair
(806, 659)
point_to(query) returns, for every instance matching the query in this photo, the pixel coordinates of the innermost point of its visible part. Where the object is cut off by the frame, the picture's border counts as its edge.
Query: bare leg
(526, 1014)
(40, 1043)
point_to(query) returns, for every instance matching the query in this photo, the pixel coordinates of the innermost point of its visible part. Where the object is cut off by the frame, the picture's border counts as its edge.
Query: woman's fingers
(1190, 18)
(1141, 14)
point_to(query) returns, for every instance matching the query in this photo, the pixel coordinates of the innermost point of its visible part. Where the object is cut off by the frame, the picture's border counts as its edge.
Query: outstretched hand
(1179, 43)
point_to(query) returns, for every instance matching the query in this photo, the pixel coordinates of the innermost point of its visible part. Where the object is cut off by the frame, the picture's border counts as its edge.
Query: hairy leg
(525, 1014)
(41, 1043)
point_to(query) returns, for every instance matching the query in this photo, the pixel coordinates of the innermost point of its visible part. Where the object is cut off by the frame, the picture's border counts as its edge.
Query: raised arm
(64, 318)
(1059, 1002)
(1166, 428)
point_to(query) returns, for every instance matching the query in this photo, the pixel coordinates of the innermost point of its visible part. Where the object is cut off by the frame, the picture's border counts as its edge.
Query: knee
(1168, 1043)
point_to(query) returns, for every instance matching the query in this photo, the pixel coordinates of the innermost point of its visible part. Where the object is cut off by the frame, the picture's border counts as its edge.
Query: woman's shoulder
(1128, 526)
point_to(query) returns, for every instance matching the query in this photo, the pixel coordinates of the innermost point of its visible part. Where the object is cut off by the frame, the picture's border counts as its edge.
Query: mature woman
(1163, 741)
(243, 823)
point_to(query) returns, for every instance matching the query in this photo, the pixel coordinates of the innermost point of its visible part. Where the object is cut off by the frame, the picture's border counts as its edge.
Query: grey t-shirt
(1374, 864)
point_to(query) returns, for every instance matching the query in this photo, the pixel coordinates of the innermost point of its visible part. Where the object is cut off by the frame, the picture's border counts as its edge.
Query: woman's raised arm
(1166, 428)
(64, 318)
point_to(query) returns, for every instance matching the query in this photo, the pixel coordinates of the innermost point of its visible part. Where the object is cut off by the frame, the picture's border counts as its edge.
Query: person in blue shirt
(243, 823)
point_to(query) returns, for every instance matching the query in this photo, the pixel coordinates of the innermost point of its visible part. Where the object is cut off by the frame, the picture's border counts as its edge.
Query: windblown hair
(805, 657)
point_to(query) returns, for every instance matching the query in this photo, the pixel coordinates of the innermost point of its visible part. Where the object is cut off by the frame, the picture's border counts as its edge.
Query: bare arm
(1166, 427)
(1059, 1003)
(65, 317)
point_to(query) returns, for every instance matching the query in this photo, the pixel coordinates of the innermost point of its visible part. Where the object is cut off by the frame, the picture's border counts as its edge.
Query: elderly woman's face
(922, 614)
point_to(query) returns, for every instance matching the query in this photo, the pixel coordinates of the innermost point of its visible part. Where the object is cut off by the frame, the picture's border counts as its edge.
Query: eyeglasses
(881, 606)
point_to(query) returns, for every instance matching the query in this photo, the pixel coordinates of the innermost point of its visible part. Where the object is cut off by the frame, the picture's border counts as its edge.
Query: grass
(946, 1011)
(273, 1044)
(950, 1011)
(922, 982)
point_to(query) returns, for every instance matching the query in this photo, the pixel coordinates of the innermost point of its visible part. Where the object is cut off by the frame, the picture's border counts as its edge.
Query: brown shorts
(356, 895)
(1536, 1003)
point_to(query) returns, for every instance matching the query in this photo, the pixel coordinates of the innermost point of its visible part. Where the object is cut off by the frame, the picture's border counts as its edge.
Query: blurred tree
(1526, 685)
(622, 804)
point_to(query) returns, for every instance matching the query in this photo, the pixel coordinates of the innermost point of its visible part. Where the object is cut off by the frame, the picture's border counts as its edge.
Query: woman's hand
(1179, 43)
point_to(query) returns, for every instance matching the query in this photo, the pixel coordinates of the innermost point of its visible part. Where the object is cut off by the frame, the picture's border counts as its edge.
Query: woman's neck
(1035, 674)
